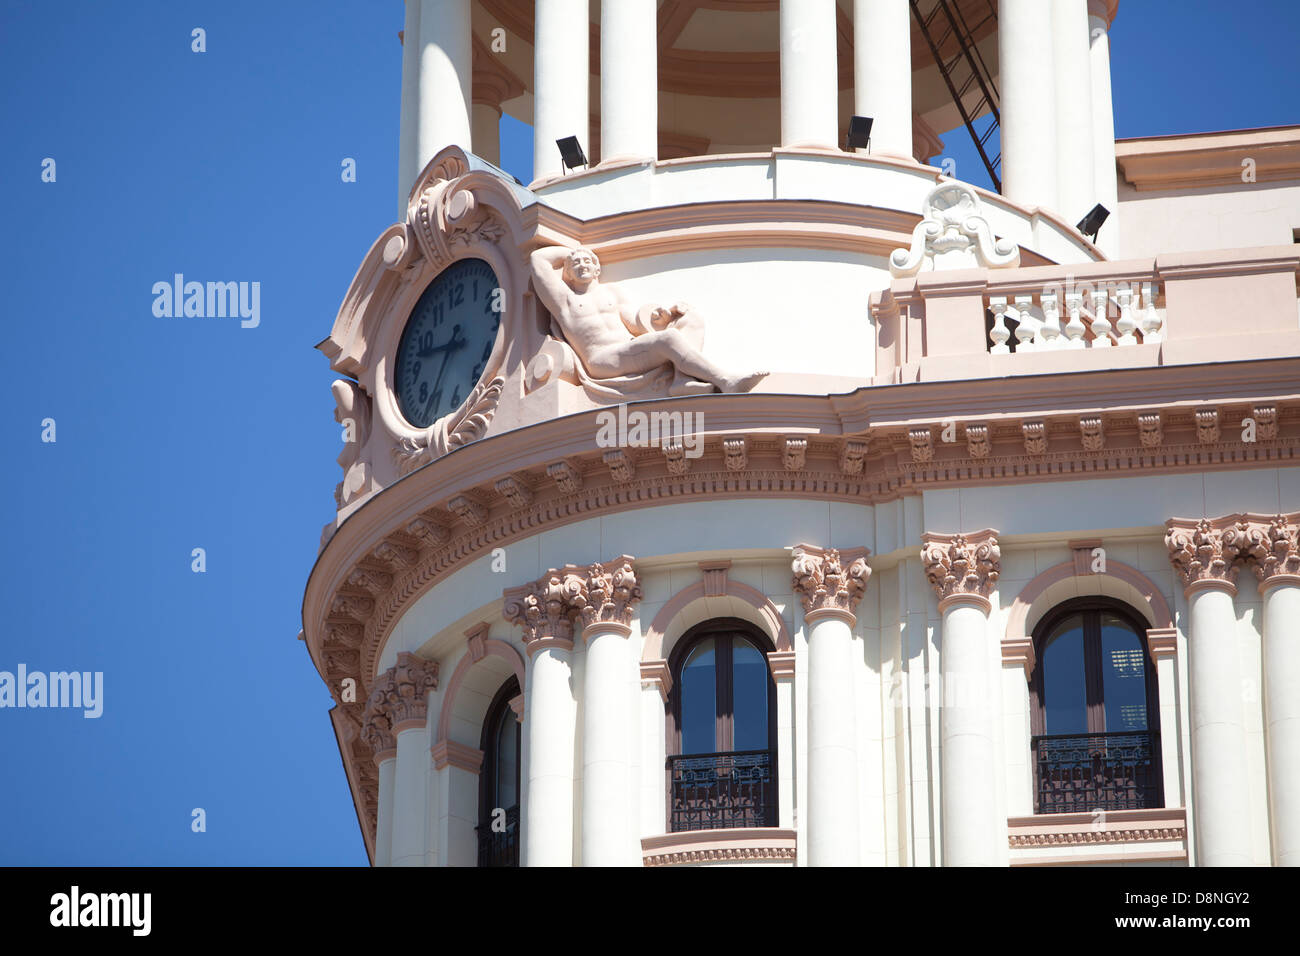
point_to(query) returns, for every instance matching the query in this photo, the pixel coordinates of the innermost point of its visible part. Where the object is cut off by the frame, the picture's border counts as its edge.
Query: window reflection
(749, 696)
(699, 700)
(1064, 680)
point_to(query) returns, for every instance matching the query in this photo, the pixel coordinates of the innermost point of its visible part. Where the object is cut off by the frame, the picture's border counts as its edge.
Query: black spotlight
(571, 154)
(860, 132)
(1090, 224)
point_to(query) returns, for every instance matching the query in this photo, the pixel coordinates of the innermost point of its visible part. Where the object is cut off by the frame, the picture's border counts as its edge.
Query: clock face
(447, 341)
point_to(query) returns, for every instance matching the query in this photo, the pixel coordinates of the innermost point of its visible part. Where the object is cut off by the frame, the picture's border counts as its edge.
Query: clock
(447, 341)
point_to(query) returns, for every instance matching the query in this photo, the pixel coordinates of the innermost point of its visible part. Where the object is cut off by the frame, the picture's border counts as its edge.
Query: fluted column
(395, 719)
(1028, 102)
(1205, 554)
(1075, 157)
(444, 79)
(629, 80)
(544, 610)
(1272, 552)
(809, 74)
(560, 78)
(409, 120)
(607, 595)
(882, 72)
(1105, 177)
(963, 569)
(830, 584)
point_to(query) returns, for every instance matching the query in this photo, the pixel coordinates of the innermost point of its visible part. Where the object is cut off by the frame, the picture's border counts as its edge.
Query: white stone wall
(896, 642)
(1238, 216)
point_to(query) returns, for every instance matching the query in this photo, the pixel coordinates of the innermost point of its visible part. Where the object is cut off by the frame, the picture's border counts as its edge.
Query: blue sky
(174, 434)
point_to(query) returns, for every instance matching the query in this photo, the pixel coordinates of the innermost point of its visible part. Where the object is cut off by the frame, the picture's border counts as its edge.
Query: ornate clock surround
(454, 212)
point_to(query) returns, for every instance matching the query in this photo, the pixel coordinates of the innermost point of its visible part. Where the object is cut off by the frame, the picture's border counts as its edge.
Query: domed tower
(729, 492)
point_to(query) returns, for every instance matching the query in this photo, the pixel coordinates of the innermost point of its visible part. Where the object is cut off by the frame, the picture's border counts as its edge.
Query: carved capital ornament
(400, 696)
(830, 582)
(962, 566)
(1205, 552)
(598, 595)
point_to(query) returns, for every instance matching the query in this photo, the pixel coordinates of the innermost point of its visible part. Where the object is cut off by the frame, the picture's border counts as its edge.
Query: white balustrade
(1117, 314)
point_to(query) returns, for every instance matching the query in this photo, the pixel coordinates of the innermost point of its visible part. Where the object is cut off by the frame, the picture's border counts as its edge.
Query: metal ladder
(966, 74)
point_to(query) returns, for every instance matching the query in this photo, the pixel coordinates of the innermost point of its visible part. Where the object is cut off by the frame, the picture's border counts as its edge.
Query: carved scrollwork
(437, 440)
(953, 234)
(827, 580)
(962, 564)
(448, 216)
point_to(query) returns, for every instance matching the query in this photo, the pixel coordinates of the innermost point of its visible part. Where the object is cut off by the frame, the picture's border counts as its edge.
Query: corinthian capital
(1269, 546)
(399, 696)
(598, 593)
(607, 594)
(962, 565)
(830, 580)
(544, 609)
(1205, 552)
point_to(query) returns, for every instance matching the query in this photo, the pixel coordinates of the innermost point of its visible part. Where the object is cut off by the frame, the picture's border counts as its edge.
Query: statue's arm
(547, 278)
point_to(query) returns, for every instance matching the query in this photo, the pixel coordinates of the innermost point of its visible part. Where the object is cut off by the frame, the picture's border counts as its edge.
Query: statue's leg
(655, 348)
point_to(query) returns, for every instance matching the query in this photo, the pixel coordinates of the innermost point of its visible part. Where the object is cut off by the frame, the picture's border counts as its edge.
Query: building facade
(742, 498)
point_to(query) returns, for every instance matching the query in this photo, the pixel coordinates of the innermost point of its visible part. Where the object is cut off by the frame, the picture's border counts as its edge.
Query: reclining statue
(612, 339)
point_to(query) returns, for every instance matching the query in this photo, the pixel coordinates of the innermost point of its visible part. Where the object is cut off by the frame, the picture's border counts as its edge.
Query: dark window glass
(1064, 684)
(749, 696)
(507, 759)
(699, 700)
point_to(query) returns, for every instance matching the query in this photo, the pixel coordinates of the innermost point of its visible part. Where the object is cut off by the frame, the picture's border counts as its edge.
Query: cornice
(346, 625)
(1210, 159)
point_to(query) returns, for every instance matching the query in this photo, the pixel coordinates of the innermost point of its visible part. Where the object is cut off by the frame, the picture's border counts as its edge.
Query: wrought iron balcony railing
(499, 848)
(1081, 772)
(722, 790)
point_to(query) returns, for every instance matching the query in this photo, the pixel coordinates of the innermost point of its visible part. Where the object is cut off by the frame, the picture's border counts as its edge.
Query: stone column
(1075, 157)
(1272, 551)
(1105, 177)
(629, 80)
(1028, 91)
(378, 736)
(395, 722)
(963, 569)
(809, 74)
(607, 597)
(560, 78)
(493, 85)
(545, 612)
(830, 584)
(406, 149)
(1206, 558)
(444, 79)
(882, 72)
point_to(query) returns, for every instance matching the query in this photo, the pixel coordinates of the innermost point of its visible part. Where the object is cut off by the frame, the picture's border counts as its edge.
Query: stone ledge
(768, 845)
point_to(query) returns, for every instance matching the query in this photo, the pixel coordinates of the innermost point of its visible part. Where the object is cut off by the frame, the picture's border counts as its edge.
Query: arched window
(721, 729)
(498, 782)
(1095, 713)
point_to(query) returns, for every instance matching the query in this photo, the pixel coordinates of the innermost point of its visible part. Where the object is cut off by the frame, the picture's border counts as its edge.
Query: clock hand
(453, 344)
